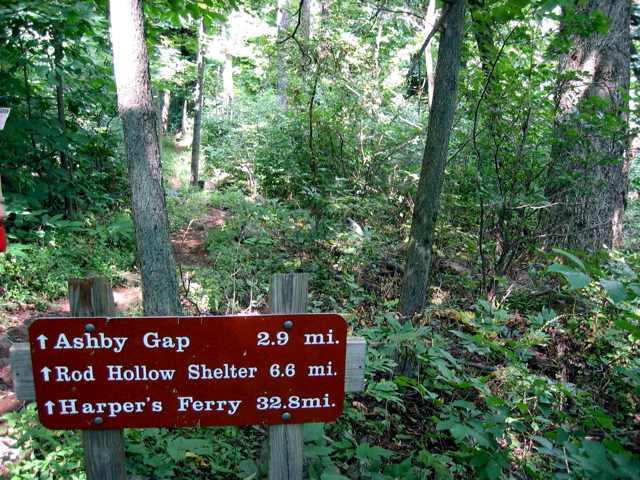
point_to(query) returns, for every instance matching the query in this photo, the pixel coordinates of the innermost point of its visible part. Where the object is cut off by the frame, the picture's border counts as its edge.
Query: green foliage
(198, 453)
(538, 379)
(37, 272)
(35, 144)
(50, 454)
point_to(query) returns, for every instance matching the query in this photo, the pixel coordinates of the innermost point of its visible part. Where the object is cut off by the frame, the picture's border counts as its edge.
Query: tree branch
(436, 27)
(292, 35)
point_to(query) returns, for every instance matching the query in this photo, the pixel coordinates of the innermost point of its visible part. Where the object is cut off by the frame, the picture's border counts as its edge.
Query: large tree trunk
(64, 161)
(427, 202)
(281, 67)
(197, 113)
(130, 65)
(164, 111)
(588, 180)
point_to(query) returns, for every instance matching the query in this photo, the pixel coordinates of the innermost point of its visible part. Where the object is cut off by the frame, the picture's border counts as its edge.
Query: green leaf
(366, 451)
(635, 288)
(178, 447)
(313, 432)
(627, 326)
(333, 476)
(615, 290)
(492, 470)
(315, 451)
(571, 257)
(459, 431)
(576, 279)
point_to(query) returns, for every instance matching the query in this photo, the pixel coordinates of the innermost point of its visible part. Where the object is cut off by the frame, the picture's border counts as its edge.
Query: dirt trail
(189, 250)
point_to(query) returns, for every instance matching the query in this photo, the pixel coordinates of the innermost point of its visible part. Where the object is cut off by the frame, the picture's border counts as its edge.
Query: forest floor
(491, 371)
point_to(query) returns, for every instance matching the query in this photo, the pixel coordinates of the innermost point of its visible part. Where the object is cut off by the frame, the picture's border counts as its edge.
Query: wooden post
(288, 294)
(103, 449)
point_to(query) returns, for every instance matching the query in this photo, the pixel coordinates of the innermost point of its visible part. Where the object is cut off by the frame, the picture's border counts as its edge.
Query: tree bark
(587, 175)
(184, 122)
(427, 202)
(304, 31)
(27, 88)
(164, 111)
(281, 67)
(227, 74)
(58, 55)
(130, 64)
(197, 112)
(429, 22)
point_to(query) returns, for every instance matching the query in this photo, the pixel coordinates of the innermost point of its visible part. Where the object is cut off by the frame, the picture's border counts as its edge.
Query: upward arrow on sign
(42, 340)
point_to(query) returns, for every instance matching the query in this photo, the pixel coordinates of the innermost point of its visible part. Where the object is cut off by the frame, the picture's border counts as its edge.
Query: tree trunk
(227, 74)
(64, 161)
(304, 30)
(164, 111)
(281, 67)
(429, 22)
(427, 202)
(378, 44)
(587, 175)
(130, 64)
(184, 123)
(197, 112)
(27, 88)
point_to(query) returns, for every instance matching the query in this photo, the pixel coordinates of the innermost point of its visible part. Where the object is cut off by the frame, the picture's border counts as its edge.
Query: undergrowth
(540, 381)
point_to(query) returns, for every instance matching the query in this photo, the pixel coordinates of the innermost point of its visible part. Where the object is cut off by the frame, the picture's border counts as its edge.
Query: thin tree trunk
(588, 178)
(197, 112)
(130, 64)
(57, 64)
(27, 88)
(304, 30)
(184, 123)
(429, 22)
(376, 50)
(427, 202)
(281, 67)
(164, 111)
(227, 74)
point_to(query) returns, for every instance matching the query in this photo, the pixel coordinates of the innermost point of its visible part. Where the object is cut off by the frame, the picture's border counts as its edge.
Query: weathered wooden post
(288, 294)
(103, 449)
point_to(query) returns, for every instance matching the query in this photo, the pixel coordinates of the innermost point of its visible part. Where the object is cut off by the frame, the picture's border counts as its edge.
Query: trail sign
(109, 373)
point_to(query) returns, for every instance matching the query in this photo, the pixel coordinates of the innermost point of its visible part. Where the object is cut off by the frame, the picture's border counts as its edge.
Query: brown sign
(94, 373)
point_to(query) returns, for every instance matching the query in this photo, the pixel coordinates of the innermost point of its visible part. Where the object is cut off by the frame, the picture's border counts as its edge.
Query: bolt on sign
(111, 373)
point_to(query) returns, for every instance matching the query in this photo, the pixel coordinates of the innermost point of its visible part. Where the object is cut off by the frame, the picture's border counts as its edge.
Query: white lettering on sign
(64, 374)
(88, 341)
(321, 370)
(119, 373)
(153, 340)
(96, 372)
(293, 402)
(264, 340)
(201, 372)
(188, 403)
(71, 406)
(320, 338)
